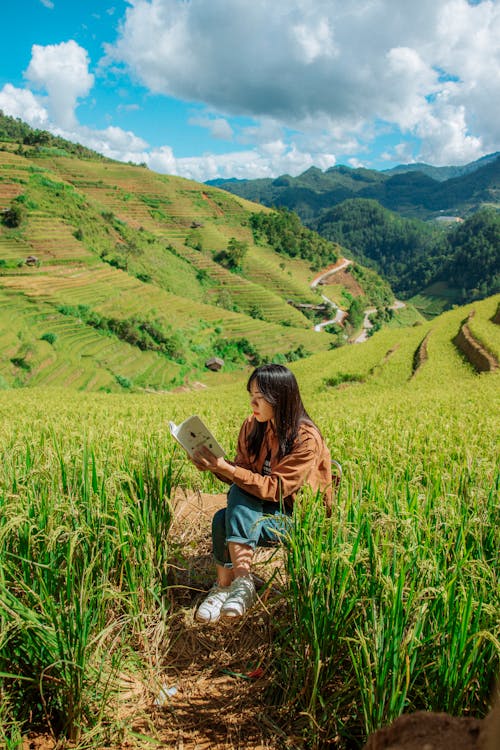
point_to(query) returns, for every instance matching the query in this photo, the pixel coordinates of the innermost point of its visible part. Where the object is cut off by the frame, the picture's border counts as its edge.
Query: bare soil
(343, 280)
(435, 731)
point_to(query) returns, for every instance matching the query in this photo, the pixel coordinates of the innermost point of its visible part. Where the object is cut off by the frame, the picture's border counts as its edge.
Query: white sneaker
(209, 609)
(241, 596)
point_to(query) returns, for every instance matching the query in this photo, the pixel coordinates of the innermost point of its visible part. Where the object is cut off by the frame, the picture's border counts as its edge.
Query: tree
(13, 216)
(232, 258)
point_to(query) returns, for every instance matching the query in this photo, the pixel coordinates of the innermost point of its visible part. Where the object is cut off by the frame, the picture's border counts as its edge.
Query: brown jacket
(309, 463)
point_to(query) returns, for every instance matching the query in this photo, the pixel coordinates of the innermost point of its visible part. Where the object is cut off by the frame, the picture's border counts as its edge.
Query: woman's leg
(245, 523)
(233, 559)
(225, 576)
(241, 556)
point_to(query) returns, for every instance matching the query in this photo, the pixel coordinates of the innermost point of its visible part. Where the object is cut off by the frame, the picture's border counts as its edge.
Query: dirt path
(212, 680)
(367, 324)
(330, 271)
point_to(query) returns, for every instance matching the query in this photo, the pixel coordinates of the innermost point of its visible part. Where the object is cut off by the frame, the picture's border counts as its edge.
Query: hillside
(379, 218)
(413, 255)
(112, 276)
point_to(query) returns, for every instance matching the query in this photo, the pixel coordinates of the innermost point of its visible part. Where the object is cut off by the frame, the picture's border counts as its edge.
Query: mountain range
(413, 190)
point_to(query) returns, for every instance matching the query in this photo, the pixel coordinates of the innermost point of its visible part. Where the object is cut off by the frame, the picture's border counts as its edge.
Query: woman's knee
(243, 516)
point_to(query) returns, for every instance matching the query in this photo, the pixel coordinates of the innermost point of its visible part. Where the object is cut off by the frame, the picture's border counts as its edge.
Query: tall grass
(84, 556)
(395, 601)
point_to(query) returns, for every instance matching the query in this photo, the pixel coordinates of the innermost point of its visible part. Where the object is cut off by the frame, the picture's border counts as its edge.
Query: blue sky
(258, 88)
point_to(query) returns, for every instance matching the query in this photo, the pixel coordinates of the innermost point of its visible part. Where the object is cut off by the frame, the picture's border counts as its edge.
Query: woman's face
(262, 409)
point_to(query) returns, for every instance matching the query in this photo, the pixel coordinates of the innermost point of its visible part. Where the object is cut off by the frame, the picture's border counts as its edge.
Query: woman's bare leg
(241, 556)
(225, 576)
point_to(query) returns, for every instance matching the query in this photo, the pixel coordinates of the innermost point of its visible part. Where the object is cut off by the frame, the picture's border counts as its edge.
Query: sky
(211, 89)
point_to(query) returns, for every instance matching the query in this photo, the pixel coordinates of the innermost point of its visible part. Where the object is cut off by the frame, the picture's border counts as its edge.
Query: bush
(123, 381)
(232, 258)
(256, 312)
(117, 261)
(356, 312)
(21, 363)
(51, 338)
(343, 377)
(13, 216)
(299, 353)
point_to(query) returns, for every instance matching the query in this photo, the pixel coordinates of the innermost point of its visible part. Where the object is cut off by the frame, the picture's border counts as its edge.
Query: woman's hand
(204, 460)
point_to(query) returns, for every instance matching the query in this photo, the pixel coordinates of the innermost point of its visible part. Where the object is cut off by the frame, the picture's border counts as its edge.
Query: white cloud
(272, 160)
(314, 80)
(445, 139)
(218, 126)
(113, 142)
(344, 65)
(62, 71)
(314, 41)
(268, 159)
(23, 104)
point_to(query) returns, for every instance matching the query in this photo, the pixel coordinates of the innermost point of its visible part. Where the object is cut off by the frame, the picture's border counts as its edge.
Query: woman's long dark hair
(279, 387)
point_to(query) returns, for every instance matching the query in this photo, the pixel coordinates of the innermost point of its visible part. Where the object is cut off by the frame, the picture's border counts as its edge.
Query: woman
(280, 449)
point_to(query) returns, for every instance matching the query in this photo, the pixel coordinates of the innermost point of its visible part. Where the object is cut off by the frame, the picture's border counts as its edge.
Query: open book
(193, 434)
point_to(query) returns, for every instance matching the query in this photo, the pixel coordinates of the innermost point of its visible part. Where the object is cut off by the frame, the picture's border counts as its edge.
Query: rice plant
(81, 569)
(394, 601)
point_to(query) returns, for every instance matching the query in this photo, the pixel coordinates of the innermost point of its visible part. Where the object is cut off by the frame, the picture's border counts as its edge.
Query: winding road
(341, 315)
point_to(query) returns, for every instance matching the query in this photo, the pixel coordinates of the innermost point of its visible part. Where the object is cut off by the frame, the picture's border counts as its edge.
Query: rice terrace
(116, 285)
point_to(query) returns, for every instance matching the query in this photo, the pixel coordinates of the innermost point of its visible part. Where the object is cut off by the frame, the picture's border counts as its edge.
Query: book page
(193, 434)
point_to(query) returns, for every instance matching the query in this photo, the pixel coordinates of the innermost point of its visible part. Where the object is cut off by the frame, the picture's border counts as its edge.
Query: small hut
(215, 364)
(31, 260)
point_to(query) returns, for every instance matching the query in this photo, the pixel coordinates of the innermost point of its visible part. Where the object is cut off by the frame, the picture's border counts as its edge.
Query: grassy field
(392, 605)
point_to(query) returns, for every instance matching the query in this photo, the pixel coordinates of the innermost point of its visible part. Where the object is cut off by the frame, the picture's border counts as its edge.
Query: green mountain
(405, 224)
(413, 254)
(411, 193)
(443, 173)
(112, 276)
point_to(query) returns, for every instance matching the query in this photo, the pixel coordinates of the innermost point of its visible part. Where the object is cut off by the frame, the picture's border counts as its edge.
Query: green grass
(435, 299)
(84, 554)
(483, 328)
